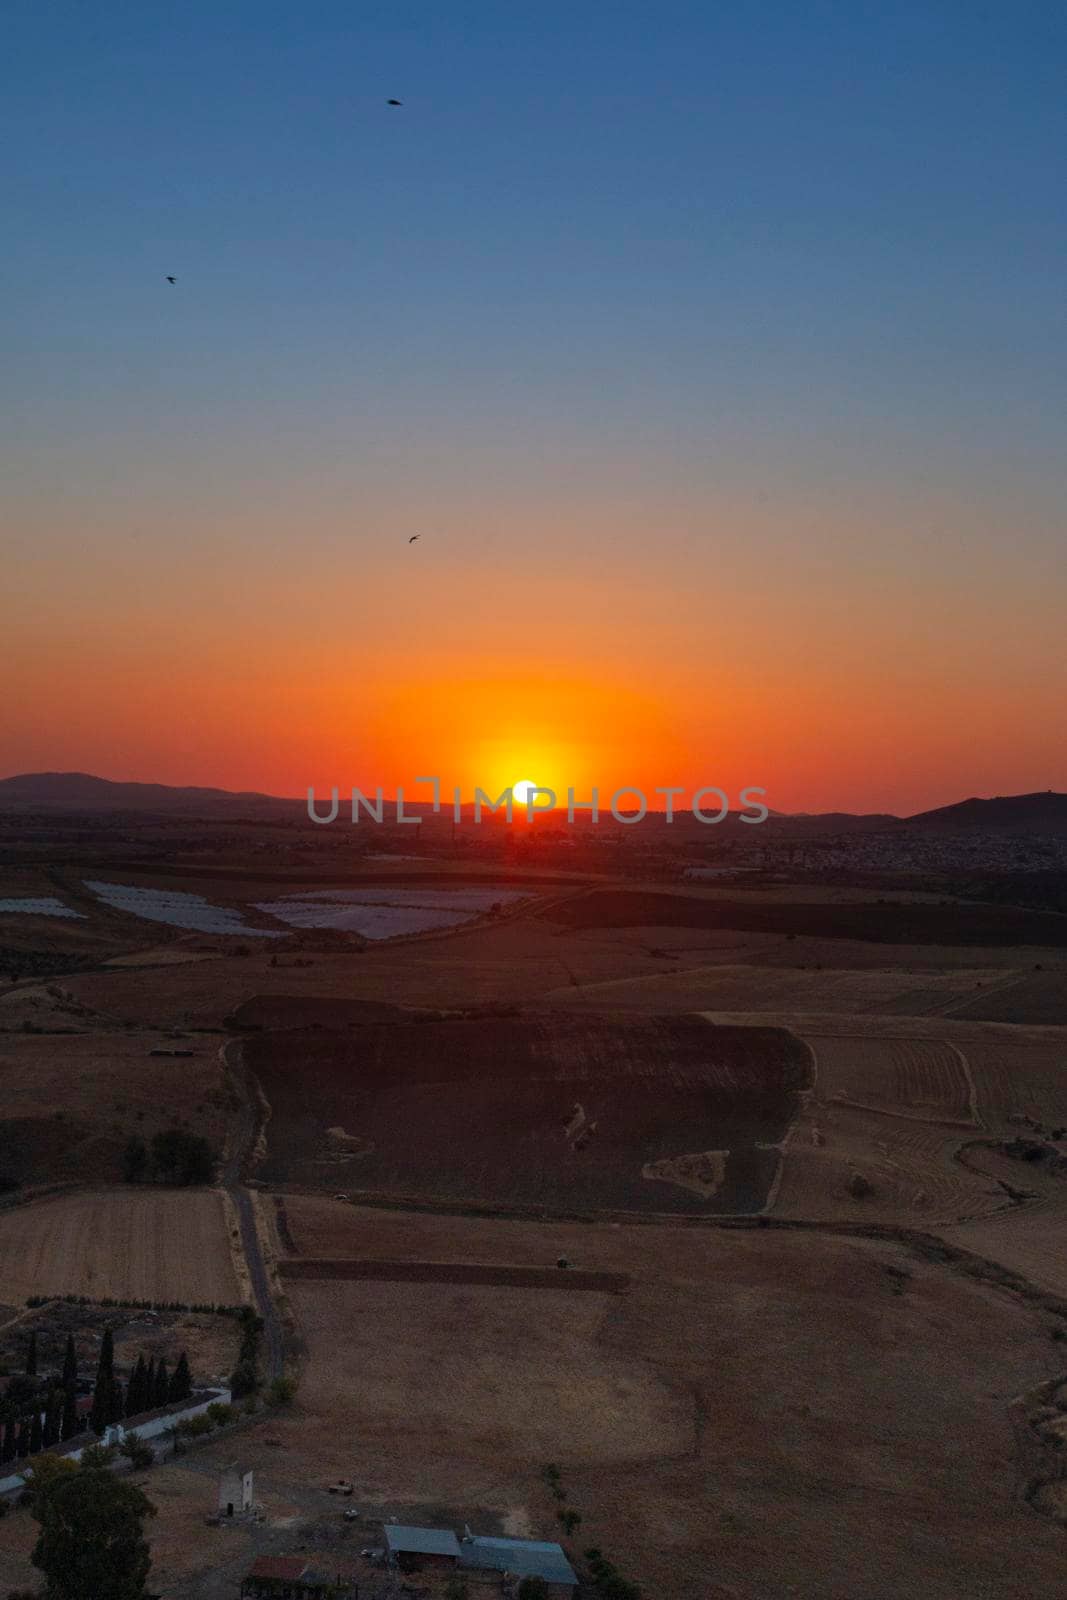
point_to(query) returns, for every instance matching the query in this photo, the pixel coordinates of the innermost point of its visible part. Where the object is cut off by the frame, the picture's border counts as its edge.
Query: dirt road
(243, 1140)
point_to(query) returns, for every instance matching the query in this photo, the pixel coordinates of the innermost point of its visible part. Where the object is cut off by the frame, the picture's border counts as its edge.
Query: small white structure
(235, 1490)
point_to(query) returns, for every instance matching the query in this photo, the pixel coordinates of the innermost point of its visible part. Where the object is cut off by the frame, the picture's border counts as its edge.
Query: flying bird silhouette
(414, 536)
(394, 102)
(170, 279)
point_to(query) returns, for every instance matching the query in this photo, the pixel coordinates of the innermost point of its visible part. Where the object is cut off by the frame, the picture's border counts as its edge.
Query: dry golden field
(705, 1425)
(141, 1244)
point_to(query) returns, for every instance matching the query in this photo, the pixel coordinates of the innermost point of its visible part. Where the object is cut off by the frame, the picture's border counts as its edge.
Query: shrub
(137, 1452)
(195, 1427)
(221, 1414)
(282, 1392)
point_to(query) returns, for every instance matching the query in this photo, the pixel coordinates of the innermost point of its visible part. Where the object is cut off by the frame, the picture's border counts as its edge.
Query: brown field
(919, 1078)
(1016, 1078)
(909, 922)
(703, 1422)
(142, 1244)
(1028, 1239)
(71, 1101)
(1035, 997)
(539, 1110)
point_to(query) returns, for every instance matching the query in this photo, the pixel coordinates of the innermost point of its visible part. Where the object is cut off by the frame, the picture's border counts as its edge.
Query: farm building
(292, 1578)
(521, 1558)
(413, 1549)
(235, 1490)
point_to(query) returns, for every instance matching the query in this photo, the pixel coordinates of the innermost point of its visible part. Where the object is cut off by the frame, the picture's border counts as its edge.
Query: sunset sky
(716, 352)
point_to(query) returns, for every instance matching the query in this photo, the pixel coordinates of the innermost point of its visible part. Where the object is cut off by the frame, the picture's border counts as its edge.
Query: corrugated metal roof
(527, 1558)
(422, 1541)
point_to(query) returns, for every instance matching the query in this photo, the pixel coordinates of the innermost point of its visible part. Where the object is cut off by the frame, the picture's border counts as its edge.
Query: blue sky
(794, 269)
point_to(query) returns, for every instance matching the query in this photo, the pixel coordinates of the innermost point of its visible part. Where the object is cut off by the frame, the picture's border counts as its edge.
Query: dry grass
(143, 1244)
(704, 1423)
(70, 1102)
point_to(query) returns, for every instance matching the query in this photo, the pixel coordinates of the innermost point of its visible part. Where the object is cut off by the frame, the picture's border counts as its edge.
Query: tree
(181, 1383)
(139, 1453)
(182, 1157)
(456, 1588)
(282, 1392)
(135, 1160)
(46, 1468)
(70, 1365)
(92, 1537)
(150, 1384)
(31, 1356)
(533, 1588)
(50, 1433)
(104, 1393)
(36, 1434)
(22, 1449)
(70, 1423)
(162, 1388)
(136, 1400)
(7, 1449)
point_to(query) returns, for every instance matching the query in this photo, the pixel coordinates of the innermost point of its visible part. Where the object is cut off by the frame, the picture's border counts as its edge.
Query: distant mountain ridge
(1045, 812)
(82, 791)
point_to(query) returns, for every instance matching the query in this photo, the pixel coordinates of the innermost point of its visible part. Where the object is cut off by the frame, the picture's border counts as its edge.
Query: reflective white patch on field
(45, 905)
(178, 909)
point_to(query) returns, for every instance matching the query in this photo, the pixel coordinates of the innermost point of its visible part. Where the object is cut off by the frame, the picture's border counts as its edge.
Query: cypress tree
(104, 1392)
(162, 1389)
(7, 1449)
(22, 1448)
(181, 1384)
(70, 1424)
(117, 1408)
(150, 1384)
(70, 1365)
(31, 1356)
(50, 1434)
(36, 1434)
(135, 1393)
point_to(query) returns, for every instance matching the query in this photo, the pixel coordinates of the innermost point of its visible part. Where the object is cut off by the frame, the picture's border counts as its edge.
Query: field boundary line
(972, 1089)
(807, 1098)
(353, 1268)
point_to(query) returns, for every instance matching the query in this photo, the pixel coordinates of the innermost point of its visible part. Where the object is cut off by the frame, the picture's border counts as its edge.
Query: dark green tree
(135, 1160)
(31, 1356)
(69, 1424)
(150, 1384)
(118, 1402)
(181, 1383)
(182, 1157)
(104, 1393)
(70, 1365)
(92, 1537)
(50, 1433)
(136, 1400)
(7, 1448)
(36, 1434)
(162, 1385)
(22, 1448)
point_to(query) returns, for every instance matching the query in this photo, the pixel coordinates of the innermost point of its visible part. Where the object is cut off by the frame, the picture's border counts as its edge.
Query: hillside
(1045, 812)
(80, 791)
